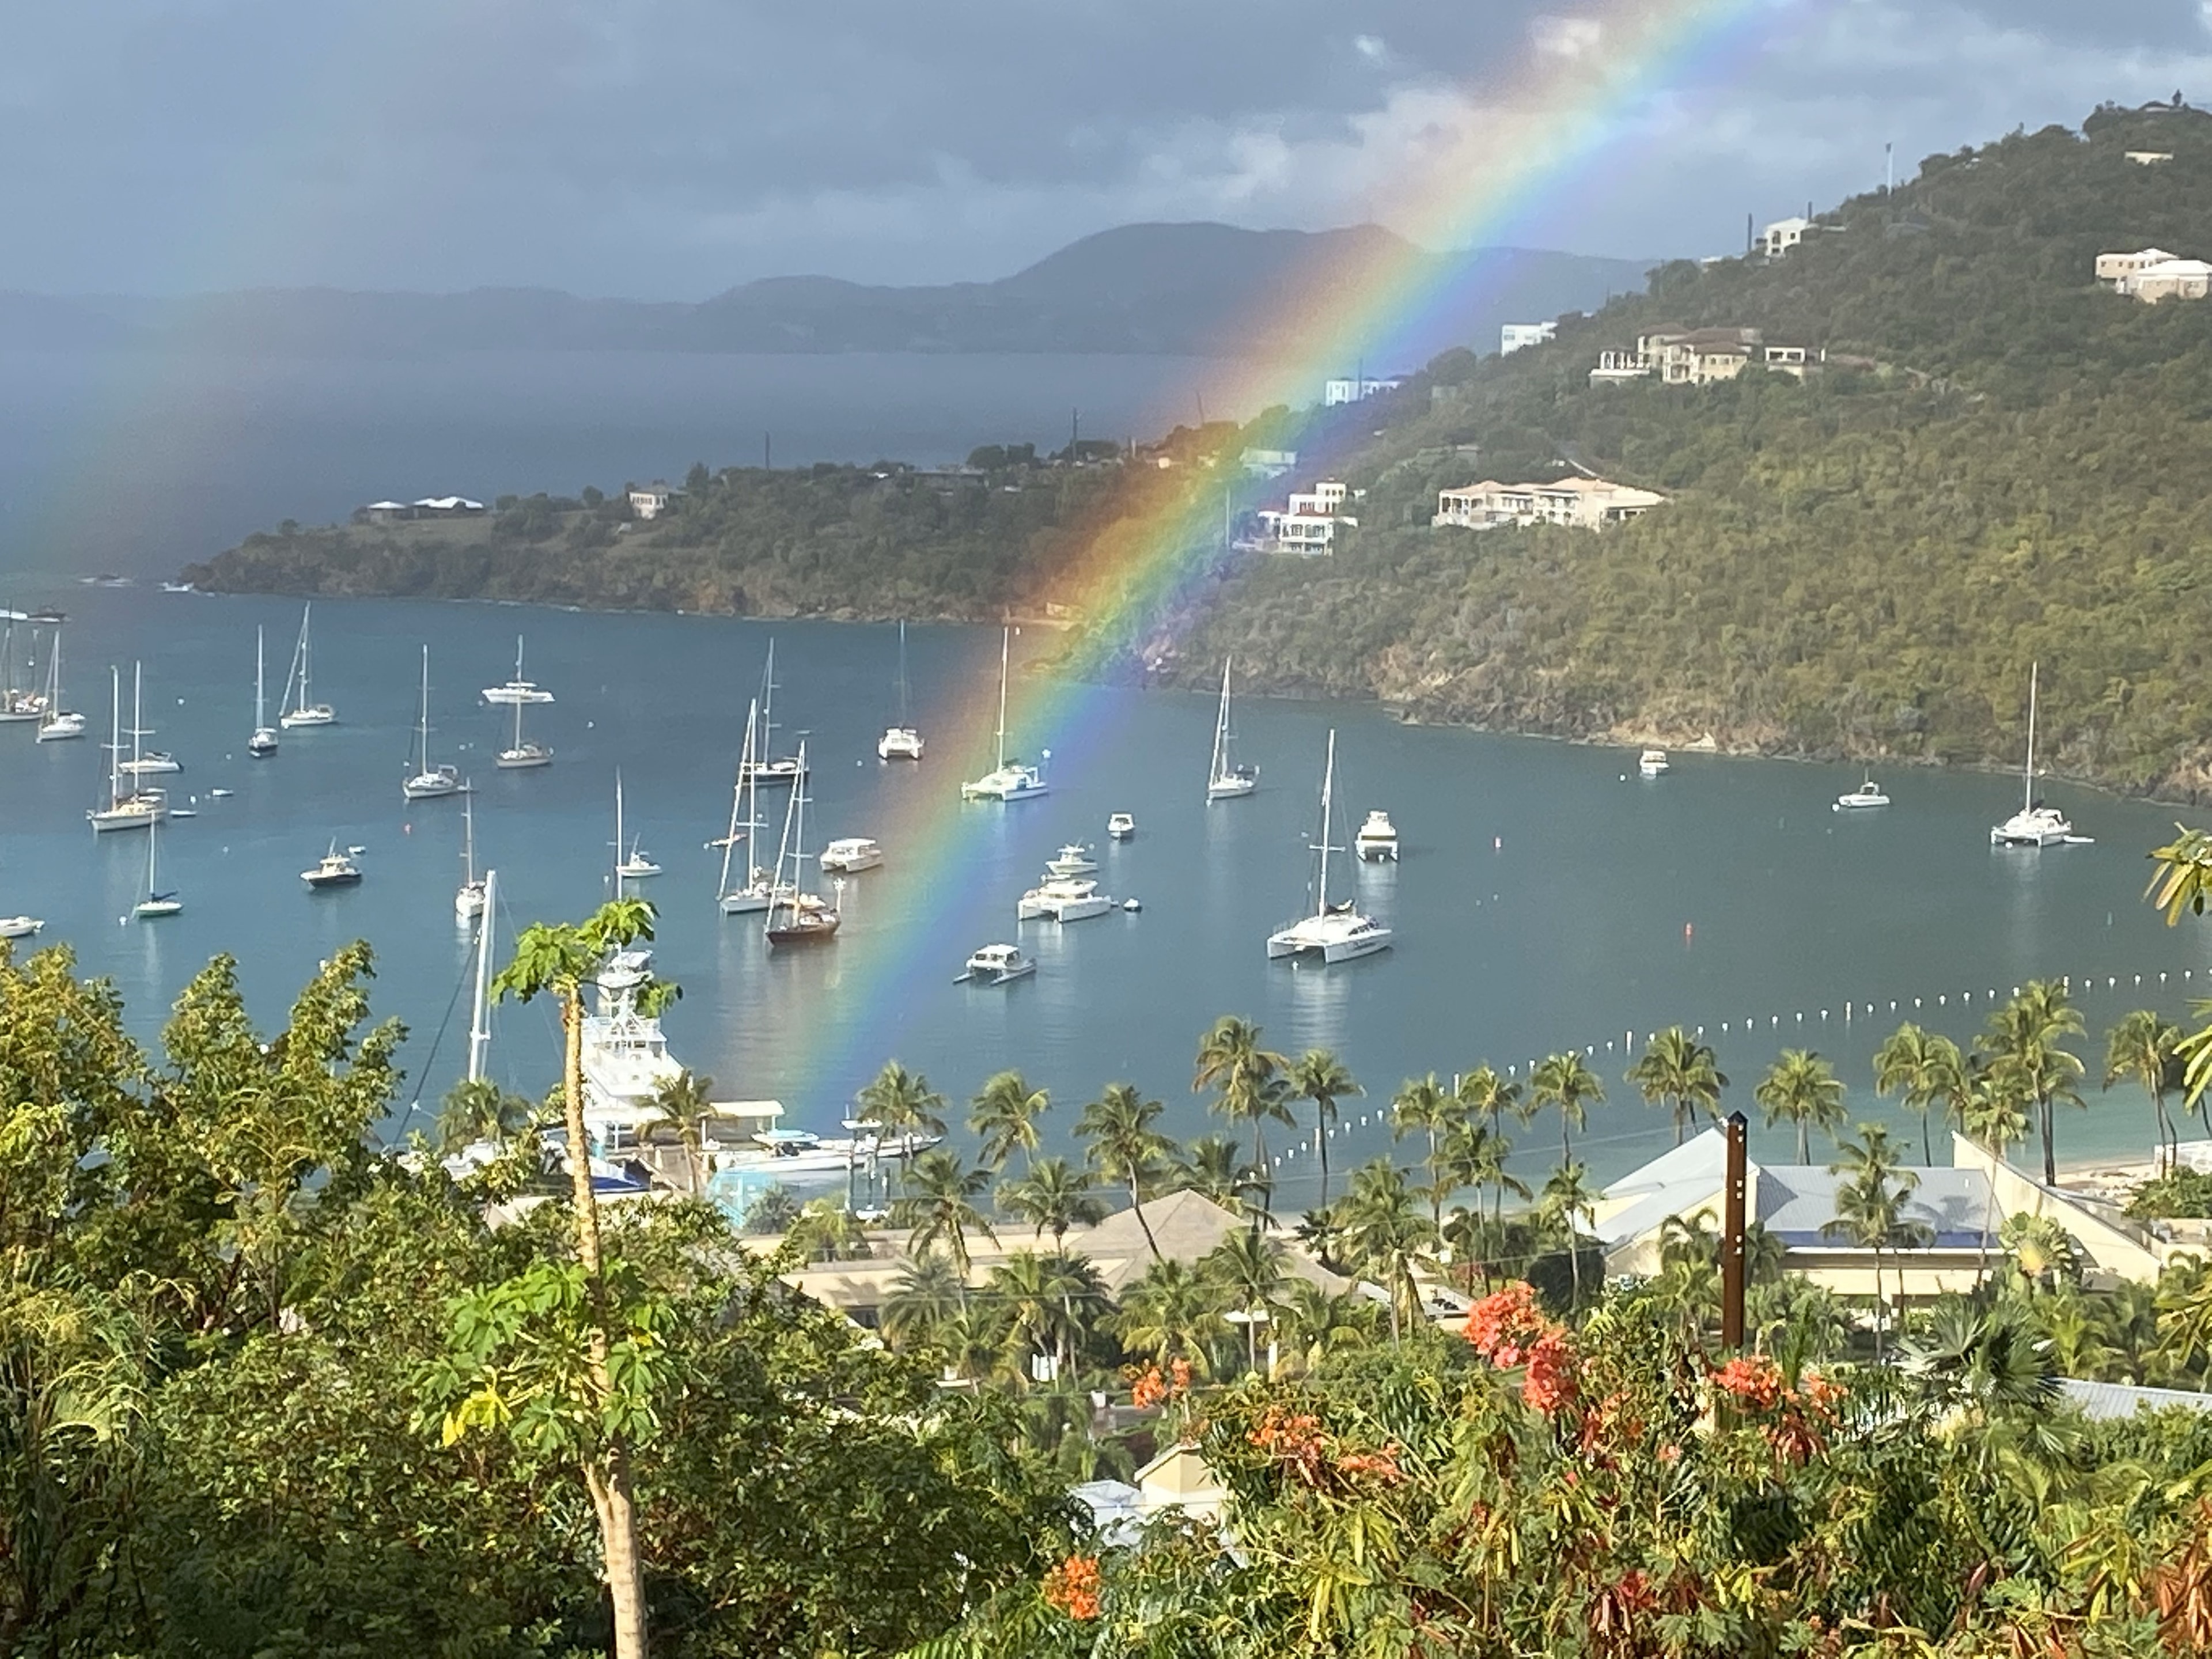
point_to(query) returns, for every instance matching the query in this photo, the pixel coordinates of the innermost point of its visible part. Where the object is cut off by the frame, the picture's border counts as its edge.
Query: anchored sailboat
(520, 754)
(59, 723)
(141, 806)
(2034, 824)
(428, 782)
(636, 865)
(901, 742)
(766, 767)
(1010, 780)
(17, 703)
(796, 916)
(758, 888)
(1333, 933)
(303, 710)
(157, 903)
(1225, 780)
(263, 743)
(469, 901)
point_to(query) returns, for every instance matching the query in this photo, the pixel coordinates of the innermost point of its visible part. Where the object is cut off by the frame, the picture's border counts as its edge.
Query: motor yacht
(303, 711)
(1010, 780)
(2034, 824)
(1377, 838)
(1121, 826)
(333, 869)
(849, 854)
(1651, 762)
(1225, 779)
(517, 691)
(1072, 860)
(1333, 933)
(996, 964)
(1867, 795)
(20, 926)
(1062, 898)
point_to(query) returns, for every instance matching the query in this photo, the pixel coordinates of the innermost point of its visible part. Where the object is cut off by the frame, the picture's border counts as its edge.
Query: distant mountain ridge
(1184, 289)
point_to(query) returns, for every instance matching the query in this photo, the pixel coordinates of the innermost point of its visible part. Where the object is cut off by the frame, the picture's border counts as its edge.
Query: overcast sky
(671, 148)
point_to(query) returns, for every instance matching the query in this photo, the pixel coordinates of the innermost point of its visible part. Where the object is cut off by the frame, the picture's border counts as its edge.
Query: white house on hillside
(1778, 238)
(2167, 279)
(651, 500)
(1513, 337)
(1307, 522)
(1579, 503)
(1349, 391)
(2113, 268)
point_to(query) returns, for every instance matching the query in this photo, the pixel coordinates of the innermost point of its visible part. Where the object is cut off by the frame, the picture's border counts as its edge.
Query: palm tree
(1319, 1076)
(1677, 1070)
(1122, 1146)
(1803, 1088)
(1871, 1206)
(1247, 1269)
(480, 1110)
(1925, 1068)
(1248, 1080)
(1212, 1168)
(1171, 1313)
(1055, 1193)
(1486, 1154)
(1568, 1087)
(939, 1205)
(825, 1231)
(2143, 1049)
(1565, 1201)
(1423, 1104)
(1489, 1096)
(1993, 1114)
(902, 1105)
(926, 1294)
(1004, 1114)
(1038, 1295)
(683, 1103)
(2025, 1038)
(1315, 1323)
(1384, 1233)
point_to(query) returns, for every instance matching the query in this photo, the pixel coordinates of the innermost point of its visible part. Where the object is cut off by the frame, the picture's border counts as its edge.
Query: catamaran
(759, 887)
(1010, 780)
(157, 903)
(766, 767)
(142, 806)
(796, 916)
(521, 756)
(303, 710)
(636, 865)
(1334, 932)
(2034, 824)
(472, 895)
(517, 691)
(1225, 780)
(59, 723)
(263, 743)
(901, 742)
(428, 782)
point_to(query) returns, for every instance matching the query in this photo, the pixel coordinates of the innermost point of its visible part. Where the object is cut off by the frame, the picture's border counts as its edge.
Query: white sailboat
(472, 895)
(636, 865)
(521, 755)
(142, 806)
(263, 743)
(796, 916)
(428, 782)
(2034, 824)
(766, 767)
(1333, 933)
(58, 723)
(1225, 780)
(517, 691)
(1010, 780)
(157, 903)
(144, 761)
(479, 1021)
(17, 703)
(303, 710)
(901, 742)
(758, 888)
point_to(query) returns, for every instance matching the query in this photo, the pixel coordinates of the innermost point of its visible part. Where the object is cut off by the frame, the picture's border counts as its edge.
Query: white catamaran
(901, 742)
(425, 782)
(1334, 932)
(1010, 780)
(263, 743)
(2034, 824)
(517, 691)
(303, 710)
(1226, 779)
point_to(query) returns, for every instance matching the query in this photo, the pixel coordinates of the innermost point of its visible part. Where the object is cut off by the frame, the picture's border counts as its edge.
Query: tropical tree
(1247, 1081)
(1871, 1206)
(1319, 1076)
(1044, 1301)
(1053, 1194)
(939, 1205)
(1677, 1072)
(902, 1106)
(772, 1210)
(1004, 1114)
(1315, 1322)
(928, 1292)
(1212, 1166)
(825, 1230)
(1490, 1098)
(1926, 1069)
(1803, 1088)
(1384, 1234)
(560, 961)
(480, 1110)
(1562, 1084)
(1424, 1104)
(1171, 1312)
(1123, 1147)
(1485, 1154)
(2027, 1039)
(1247, 1271)
(682, 1102)
(2144, 1049)
(1565, 1201)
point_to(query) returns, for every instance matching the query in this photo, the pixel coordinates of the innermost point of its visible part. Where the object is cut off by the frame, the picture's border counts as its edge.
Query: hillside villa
(1307, 523)
(1352, 390)
(431, 507)
(651, 500)
(1778, 238)
(1703, 356)
(2152, 274)
(1579, 503)
(1518, 337)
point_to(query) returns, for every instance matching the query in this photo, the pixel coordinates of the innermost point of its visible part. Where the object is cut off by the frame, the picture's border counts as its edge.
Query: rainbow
(1585, 83)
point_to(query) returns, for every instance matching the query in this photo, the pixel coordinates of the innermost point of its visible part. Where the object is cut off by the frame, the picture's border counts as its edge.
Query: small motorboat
(996, 964)
(333, 869)
(20, 926)
(1132, 905)
(1867, 795)
(1651, 762)
(1121, 826)
(1377, 838)
(850, 853)
(220, 794)
(1074, 859)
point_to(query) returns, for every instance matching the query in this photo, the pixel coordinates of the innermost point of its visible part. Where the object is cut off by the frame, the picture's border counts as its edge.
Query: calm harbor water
(1546, 897)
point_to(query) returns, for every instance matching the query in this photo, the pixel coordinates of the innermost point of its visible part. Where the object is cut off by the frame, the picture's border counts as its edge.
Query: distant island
(1859, 478)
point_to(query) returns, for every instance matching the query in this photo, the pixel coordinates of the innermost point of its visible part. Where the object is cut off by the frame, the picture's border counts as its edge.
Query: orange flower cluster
(1508, 1328)
(1072, 1587)
(1795, 1418)
(1754, 1380)
(1151, 1389)
(1381, 1465)
(1297, 1441)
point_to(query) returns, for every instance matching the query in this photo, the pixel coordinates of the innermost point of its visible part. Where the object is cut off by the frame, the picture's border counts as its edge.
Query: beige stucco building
(1579, 503)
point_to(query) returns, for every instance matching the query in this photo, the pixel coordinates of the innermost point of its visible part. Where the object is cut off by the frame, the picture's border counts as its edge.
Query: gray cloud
(675, 147)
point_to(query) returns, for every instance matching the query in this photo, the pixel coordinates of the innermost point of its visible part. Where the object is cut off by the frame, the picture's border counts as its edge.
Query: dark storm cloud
(674, 147)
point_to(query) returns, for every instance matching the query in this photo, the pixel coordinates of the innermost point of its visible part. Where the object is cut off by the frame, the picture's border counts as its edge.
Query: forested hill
(2014, 469)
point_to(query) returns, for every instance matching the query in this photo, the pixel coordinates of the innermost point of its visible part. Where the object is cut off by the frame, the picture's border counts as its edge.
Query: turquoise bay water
(1545, 899)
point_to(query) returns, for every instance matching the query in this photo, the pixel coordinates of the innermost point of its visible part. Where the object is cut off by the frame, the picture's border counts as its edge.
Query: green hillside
(1862, 564)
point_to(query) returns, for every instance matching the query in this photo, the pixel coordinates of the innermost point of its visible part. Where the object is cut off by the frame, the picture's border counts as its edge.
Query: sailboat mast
(153, 834)
(618, 833)
(1328, 789)
(776, 890)
(307, 657)
(904, 720)
(423, 719)
(114, 737)
(479, 1032)
(137, 714)
(738, 800)
(2027, 783)
(768, 708)
(1006, 643)
(259, 699)
(1221, 726)
(468, 839)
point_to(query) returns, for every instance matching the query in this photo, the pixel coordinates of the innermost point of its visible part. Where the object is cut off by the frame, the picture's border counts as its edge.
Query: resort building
(1358, 390)
(2145, 158)
(651, 500)
(1577, 503)
(1513, 337)
(431, 507)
